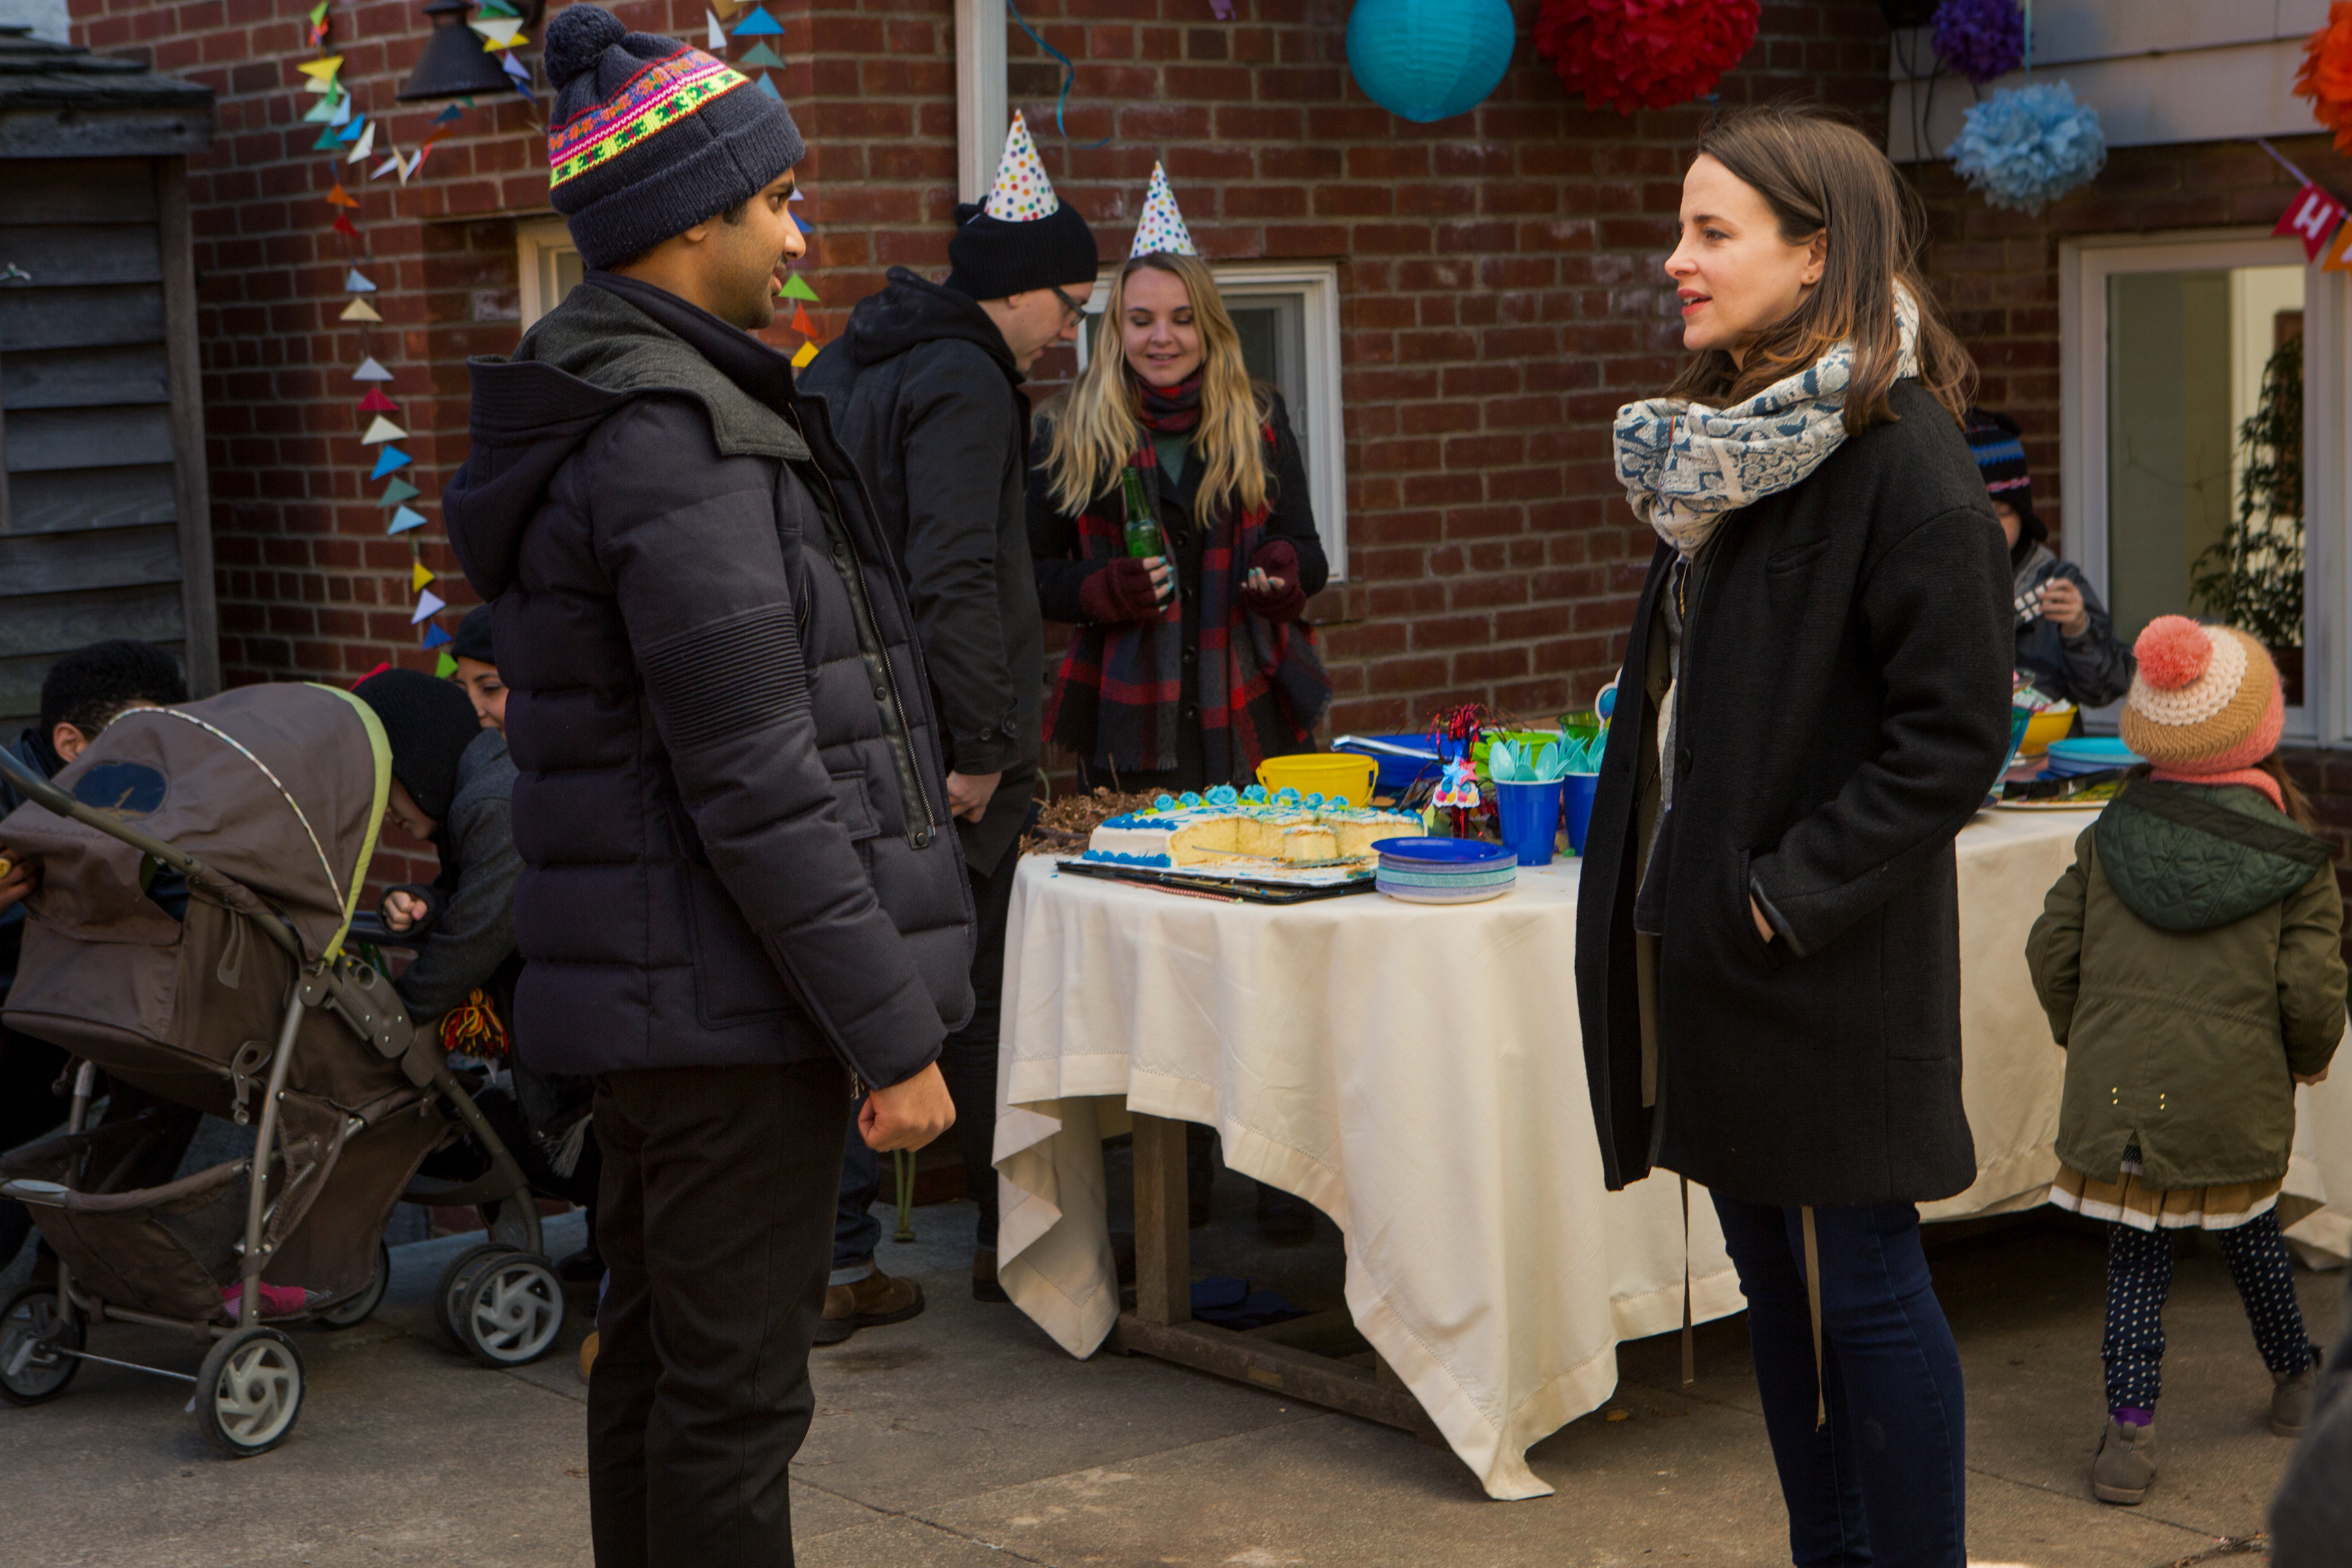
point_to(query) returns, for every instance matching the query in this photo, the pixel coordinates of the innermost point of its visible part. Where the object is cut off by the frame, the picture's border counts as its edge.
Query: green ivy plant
(2251, 577)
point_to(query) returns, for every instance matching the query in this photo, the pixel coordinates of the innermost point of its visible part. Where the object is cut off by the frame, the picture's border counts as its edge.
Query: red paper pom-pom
(2325, 78)
(2173, 652)
(1645, 54)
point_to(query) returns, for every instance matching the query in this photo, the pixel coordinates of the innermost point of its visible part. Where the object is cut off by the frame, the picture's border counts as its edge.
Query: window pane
(2187, 357)
(569, 270)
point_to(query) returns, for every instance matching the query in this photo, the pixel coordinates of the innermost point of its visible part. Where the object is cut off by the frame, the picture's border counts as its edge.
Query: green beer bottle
(1143, 540)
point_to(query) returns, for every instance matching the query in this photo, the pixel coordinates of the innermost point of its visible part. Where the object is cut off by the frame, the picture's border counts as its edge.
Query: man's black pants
(716, 1220)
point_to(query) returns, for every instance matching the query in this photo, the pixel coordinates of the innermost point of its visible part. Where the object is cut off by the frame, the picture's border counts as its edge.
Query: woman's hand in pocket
(1756, 913)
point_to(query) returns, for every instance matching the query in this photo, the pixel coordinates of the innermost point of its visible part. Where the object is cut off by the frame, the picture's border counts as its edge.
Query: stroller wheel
(445, 1294)
(347, 1314)
(34, 1340)
(248, 1392)
(510, 1308)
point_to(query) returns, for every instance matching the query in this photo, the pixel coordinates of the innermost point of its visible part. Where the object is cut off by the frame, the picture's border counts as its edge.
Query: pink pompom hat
(2205, 700)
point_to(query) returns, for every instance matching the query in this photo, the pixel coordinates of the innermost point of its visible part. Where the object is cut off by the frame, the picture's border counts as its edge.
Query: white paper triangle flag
(415, 161)
(383, 430)
(355, 282)
(365, 146)
(1022, 193)
(371, 370)
(359, 310)
(1162, 230)
(427, 606)
(387, 166)
(716, 39)
(342, 114)
(497, 33)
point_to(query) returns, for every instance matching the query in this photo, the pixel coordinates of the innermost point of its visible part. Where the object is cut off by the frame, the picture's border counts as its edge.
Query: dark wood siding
(101, 511)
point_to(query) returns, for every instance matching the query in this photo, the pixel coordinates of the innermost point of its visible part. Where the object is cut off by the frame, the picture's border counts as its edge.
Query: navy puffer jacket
(729, 803)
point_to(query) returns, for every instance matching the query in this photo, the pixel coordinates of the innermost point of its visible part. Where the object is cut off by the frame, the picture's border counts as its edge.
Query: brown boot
(871, 1302)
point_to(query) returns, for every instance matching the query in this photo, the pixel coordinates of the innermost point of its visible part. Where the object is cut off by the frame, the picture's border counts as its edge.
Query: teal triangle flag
(397, 492)
(449, 114)
(433, 635)
(391, 459)
(758, 23)
(496, 8)
(769, 87)
(326, 141)
(405, 519)
(324, 110)
(760, 55)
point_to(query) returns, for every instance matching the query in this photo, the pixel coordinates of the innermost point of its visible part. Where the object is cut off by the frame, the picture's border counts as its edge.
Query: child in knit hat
(2191, 963)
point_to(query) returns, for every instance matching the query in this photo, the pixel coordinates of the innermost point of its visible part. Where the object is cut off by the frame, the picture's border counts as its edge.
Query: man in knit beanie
(925, 388)
(739, 894)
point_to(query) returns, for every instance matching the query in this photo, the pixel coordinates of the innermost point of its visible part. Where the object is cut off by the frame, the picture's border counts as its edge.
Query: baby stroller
(268, 800)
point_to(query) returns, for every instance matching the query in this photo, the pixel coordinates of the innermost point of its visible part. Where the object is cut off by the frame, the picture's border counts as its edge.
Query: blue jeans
(1881, 1483)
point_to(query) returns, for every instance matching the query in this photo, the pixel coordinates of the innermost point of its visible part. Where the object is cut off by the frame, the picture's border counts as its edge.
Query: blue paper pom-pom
(2026, 146)
(1980, 39)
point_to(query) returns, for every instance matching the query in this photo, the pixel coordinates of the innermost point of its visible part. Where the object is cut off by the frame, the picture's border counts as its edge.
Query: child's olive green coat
(2190, 961)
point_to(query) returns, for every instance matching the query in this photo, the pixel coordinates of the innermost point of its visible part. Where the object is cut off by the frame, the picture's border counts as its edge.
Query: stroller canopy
(279, 789)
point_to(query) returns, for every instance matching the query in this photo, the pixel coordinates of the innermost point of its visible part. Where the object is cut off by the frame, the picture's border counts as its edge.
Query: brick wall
(1500, 290)
(1498, 271)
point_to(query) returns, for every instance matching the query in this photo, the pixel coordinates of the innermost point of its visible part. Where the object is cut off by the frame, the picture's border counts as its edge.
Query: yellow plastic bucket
(1326, 773)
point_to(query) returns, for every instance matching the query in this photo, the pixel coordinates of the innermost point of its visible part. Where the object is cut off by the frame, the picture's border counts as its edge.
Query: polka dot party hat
(1022, 193)
(1162, 229)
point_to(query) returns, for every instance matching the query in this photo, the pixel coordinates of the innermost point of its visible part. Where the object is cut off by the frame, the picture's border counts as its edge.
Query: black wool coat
(728, 799)
(1843, 708)
(927, 399)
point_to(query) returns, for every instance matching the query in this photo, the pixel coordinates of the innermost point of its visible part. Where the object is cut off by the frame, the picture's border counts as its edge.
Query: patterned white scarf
(1686, 467)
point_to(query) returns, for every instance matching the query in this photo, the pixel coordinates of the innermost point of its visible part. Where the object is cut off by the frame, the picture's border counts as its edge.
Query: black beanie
(473, 639)
(650, 136)
(428, 723)
(994, 259)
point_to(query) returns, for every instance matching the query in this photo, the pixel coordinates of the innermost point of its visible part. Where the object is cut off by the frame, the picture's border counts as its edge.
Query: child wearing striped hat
(2190, 963)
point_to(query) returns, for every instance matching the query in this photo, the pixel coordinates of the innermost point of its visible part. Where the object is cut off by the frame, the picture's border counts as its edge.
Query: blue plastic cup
(1578, 803)
(1530, 815)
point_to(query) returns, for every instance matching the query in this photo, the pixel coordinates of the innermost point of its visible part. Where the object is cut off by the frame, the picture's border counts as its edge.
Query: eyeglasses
(1077, 311)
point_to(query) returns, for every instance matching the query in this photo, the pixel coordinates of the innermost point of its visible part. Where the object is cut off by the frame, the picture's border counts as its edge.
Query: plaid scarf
(1118, 696)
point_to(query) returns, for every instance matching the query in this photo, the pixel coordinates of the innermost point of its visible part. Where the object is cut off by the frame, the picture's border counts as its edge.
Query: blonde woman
(1188, 669)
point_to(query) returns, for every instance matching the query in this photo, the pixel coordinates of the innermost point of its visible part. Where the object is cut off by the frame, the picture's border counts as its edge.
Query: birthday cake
(1225, 826)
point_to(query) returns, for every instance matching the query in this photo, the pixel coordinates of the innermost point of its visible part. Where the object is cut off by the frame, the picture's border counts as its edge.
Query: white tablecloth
(1417, 1073)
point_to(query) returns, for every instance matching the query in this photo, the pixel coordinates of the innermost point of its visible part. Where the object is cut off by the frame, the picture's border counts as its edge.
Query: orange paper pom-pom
(2325, 78)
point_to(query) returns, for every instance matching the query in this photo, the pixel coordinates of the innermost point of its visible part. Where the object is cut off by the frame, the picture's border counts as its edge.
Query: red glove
(1121, 590)
(1278, 559)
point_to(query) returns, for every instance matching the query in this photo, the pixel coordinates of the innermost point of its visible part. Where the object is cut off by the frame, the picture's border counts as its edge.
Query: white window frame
(537, 244)
(1317, 286)
(2084, 267)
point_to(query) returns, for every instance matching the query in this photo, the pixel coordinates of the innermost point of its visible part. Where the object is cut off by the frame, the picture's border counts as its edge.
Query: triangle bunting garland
(359, 310)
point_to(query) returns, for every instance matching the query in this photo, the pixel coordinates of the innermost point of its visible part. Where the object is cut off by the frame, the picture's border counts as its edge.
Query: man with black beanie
(738, 895)
(925, 389)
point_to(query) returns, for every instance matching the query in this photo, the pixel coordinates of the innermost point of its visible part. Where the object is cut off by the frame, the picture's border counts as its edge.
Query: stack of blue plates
(2087, 754)
(1444, 870)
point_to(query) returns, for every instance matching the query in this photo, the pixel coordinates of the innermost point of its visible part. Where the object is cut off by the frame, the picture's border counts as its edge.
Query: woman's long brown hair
(1819, 173)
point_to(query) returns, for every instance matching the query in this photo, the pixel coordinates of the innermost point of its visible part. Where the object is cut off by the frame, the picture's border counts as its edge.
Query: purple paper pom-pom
(1980, 39)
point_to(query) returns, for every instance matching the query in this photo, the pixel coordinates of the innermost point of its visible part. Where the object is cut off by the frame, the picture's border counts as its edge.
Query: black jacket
(925, 395)
(467, 938)
(2091, 670)
(729, 804)
(1844, 706)
(31, 748)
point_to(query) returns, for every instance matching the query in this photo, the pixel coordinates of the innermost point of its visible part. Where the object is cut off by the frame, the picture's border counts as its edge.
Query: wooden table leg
(1163, 1242)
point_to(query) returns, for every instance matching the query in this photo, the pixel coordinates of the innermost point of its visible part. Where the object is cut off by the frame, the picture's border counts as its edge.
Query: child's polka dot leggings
(2139, 1277)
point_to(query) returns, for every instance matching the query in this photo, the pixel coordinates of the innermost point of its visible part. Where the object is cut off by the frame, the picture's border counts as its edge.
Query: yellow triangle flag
(418, 577)
(359, 310)
(320, 69)
(807, 352)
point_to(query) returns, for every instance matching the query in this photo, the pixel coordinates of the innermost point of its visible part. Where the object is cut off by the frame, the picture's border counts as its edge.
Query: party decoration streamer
(1644, 53)
(2024, 147)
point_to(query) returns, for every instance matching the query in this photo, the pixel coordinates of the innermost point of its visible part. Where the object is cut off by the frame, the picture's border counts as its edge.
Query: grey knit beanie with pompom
(650, 136)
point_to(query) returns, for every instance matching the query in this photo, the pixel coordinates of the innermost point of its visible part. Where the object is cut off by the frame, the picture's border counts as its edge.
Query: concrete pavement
(966, 1437)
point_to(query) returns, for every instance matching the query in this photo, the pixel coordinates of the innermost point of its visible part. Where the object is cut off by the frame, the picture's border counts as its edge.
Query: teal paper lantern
(1429, 59)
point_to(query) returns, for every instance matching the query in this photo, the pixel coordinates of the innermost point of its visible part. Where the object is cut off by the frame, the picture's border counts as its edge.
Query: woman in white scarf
(1815, 699)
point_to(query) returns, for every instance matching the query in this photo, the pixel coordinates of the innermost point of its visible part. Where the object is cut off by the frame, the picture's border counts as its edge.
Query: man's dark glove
(1121, 590)
(1278, 559)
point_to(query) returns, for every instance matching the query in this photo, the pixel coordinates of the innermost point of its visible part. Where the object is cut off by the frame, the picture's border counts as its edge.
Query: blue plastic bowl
(1399, 774)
